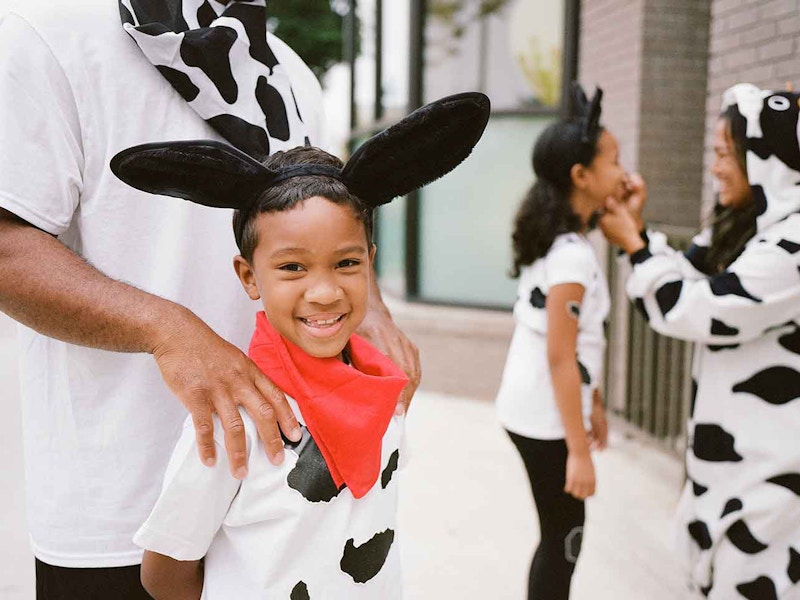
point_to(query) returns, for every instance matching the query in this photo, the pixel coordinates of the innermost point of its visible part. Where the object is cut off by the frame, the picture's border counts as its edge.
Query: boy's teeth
(318, 322)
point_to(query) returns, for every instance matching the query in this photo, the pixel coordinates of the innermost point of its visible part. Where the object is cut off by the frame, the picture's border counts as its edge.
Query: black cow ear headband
(587, 113)
(419, 149)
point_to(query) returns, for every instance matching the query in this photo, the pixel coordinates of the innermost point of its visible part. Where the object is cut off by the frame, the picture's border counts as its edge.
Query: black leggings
(561, 518)
(114, 583)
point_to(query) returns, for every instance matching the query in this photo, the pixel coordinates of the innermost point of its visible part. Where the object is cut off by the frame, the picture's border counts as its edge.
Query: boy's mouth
(322, 321)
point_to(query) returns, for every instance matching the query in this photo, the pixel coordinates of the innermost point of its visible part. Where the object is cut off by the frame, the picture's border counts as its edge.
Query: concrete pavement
(467, 521)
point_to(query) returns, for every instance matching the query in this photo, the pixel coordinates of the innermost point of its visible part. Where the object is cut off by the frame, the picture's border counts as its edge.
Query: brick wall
(754, 41)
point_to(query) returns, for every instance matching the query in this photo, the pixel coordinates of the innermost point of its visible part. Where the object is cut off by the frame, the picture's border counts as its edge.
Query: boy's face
(311, 269)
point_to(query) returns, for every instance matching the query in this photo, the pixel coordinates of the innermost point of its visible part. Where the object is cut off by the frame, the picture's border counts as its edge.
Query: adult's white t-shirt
(99, 426)
(526, 402)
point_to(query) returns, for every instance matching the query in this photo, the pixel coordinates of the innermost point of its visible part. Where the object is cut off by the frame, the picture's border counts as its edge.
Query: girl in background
(549, 400)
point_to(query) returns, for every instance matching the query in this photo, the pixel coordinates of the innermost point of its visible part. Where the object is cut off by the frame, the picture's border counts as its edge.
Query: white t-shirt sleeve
(569, 262)
(41, 155)
(193, 502)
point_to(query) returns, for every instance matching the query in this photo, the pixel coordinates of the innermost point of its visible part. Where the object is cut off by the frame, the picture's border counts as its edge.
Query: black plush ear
(203, 171)
(427, 144)
(580, 103)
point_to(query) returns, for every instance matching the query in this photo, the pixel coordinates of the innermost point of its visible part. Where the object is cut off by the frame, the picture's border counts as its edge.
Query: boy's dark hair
(290, 192)
(545, 211)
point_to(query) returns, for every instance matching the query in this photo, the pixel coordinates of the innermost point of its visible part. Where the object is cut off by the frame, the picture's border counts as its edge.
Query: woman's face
(733, 188)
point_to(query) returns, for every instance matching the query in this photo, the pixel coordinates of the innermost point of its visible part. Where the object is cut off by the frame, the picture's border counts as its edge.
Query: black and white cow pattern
(741, 506)
(218, 57)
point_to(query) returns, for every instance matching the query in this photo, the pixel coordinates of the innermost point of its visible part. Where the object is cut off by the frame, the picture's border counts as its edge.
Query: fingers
(580, 489)
(235, 439)
(271, 411)
(204, 431)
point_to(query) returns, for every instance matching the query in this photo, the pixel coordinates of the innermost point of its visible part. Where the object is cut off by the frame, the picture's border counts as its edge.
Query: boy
(320, 525)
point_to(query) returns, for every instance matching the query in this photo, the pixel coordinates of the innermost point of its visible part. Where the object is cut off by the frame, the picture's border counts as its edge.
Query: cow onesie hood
(739, 516)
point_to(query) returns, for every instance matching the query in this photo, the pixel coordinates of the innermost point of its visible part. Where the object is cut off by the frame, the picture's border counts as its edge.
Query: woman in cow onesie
(736, 294)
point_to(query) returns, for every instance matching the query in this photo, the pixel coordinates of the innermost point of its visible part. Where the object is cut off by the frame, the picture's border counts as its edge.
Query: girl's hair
(731, 228)
(290, 192)
(545, 211)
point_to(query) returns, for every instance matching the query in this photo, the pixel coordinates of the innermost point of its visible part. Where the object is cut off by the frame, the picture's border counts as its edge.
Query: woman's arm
(165, 578)
(562, 334)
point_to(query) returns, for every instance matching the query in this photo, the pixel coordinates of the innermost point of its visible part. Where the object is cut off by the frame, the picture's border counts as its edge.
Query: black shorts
(110, 583)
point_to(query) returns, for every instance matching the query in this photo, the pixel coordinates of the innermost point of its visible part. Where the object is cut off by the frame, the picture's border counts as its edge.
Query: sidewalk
(467, 522)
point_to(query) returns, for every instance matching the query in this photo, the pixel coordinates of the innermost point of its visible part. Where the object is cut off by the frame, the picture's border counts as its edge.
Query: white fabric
(261, 537)
(75, 90)
(525, 402)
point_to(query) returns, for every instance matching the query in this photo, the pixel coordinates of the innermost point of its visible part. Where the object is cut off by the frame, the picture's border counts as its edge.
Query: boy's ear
(373, 249)
(247, 276)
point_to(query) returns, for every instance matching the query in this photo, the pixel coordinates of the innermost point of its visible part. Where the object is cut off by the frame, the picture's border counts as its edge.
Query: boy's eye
(292, 267)
(348, 262)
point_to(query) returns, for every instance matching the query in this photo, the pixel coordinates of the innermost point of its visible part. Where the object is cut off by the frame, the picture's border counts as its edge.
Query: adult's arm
(48, 288)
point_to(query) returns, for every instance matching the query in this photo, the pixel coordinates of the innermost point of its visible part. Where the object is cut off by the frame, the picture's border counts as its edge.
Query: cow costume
(740, 510)
(321, 524)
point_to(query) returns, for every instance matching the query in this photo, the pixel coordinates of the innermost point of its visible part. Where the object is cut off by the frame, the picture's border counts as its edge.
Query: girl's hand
(620, 227)
(636, 197)
(598, 436)
(580, 475)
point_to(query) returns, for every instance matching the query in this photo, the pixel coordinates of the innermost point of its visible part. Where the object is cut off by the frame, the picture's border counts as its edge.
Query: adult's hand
(636, 197)
(210, 375)
(381, 331)
(620, 227)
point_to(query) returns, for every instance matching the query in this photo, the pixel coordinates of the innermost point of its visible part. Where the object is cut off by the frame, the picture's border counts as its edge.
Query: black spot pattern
(790, 247)
(205, 14)
(126, 15)
(169, 13)
(300, 592)
(791, 341)
(712, 443)
(731, 506)
(699, 532)
(759, 589)
(249, 138)
(776, 385)
(271, 103)
(759, 199)
(791, 481)
(639, 304)
(311, 476)
(180, 81)
(537, 299)
(575, 310)
(667, 296)
(697, 489)
(793, 571)
(721, 347)
(705, 590)
(693, 399)
(209, 50)
(740, 536)
(255, 26)
(729, 284)
(720, 328)
(696, 255)
(363, 562)
(586, 379)
(778, 127)
(391, 467)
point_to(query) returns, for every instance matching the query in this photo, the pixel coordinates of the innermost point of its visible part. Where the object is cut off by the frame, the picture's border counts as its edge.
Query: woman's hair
(290, 192)
(545, 211)
(731, 228)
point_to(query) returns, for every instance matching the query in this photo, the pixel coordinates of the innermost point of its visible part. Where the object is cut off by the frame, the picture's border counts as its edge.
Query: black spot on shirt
(300, 592)
(794, 566)
(586, 379)
(693, 399)
(363, 562)
(790, 247)
(169, 13)
(791, 481)
(731, 506)
(311, 476)
(697, 255)
(759, 589)
(537, 299)
(776, 385)
(209, 50)
(721, 347)
(740, 536)
(667, 296)
(759, 199)
(720, 328)
(180, 81)
(205, 14)
(697, 489)
(255, 26)
(391, 467)
(274, 109)
(245, 136)
(729, 284)
(712, 443)
(791, 341)
(699, 532)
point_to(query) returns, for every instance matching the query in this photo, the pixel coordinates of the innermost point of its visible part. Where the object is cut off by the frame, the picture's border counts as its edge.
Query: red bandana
(346, 408)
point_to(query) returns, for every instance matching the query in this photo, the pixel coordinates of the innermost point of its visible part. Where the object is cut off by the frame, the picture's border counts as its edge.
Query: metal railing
(649, 381)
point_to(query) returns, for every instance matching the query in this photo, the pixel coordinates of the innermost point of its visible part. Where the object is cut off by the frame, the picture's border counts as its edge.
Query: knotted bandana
(346, 408)
(217, 56)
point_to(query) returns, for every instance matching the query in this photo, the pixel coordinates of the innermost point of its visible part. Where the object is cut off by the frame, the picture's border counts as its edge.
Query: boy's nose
(323, 292)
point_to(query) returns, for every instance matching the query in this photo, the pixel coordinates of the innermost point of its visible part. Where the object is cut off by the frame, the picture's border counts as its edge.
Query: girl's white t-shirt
(526, 402)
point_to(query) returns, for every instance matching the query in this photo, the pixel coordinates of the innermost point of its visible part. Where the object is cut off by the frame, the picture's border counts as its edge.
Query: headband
(424, 146)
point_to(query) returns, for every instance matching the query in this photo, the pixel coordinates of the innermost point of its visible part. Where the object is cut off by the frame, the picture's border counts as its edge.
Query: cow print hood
(218, 57)
(772, 149)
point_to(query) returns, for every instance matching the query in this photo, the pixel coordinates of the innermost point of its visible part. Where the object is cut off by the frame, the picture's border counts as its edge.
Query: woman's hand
(580, 475)
(620, 227)
(598, 436)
